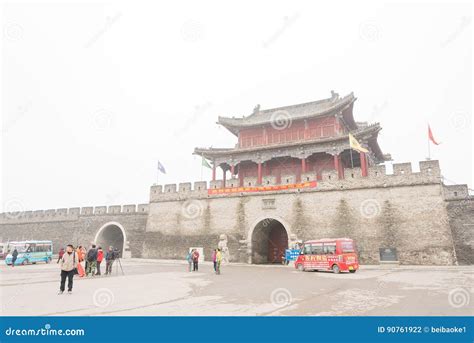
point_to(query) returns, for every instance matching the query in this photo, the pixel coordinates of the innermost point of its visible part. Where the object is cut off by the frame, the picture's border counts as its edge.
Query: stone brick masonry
(427, 222)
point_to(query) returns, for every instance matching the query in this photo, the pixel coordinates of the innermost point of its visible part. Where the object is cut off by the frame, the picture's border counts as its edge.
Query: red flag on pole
(430, 136)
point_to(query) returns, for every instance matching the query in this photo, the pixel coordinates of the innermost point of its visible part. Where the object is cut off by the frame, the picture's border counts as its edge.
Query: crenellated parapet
(65, 214)
(402, 175)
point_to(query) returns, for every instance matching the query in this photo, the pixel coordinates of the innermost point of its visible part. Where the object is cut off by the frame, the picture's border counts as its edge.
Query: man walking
(68, 266)
(14, 257)
(91, 261)
(109, 260)
(195, 260)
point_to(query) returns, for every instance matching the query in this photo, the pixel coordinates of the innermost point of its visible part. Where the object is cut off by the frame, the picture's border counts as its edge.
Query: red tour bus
(336, 254)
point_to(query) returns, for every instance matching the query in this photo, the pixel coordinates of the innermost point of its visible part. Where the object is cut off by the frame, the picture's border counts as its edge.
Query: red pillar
(232, 170)
(213, 172)
(341, 167)
(259, 173)
(303, 165)
(338, 166)
(278, 176)
(363, 163)
(223, 177)
(306, 130)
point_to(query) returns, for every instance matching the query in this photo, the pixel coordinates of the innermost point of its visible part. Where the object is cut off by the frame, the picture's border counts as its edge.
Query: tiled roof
(334, 104)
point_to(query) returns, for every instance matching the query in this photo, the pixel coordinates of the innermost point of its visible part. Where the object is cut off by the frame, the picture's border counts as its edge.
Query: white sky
(94, 93)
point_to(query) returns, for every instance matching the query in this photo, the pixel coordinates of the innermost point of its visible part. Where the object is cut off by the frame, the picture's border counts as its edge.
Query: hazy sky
(93, 94)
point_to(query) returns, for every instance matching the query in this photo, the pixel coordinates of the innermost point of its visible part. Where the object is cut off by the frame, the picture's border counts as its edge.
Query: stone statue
(224, 249)
(256, 109)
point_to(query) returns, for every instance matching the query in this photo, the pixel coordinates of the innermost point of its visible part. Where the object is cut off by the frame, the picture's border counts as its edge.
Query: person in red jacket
(60, 255)
(100, 257)
(195, 257)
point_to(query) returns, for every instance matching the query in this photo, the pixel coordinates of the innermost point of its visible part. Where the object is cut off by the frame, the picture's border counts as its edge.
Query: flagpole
(350, 149)
(429, 150)
(429, 147)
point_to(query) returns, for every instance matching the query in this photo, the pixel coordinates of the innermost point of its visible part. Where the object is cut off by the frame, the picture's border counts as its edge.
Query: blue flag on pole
(161, 168)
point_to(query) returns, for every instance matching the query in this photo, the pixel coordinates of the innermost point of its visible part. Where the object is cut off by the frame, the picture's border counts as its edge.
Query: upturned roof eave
(235, 124)
(219, 152)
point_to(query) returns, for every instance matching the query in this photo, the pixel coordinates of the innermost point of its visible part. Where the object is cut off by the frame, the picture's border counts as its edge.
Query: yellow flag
(355, 144)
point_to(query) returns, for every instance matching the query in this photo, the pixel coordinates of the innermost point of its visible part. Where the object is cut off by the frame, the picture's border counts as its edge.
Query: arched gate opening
(111, 234)
(269, 241)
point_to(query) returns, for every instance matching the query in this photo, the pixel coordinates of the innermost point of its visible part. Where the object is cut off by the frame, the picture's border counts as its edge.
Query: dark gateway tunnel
(269, 241)
(111, 235)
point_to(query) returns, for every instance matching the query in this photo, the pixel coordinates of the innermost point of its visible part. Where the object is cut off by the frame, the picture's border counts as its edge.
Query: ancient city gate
(269, 241)
(111, 234)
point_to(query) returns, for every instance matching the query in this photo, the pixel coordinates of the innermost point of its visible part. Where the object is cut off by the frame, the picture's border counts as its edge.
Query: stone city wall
(377, 177)
(405, 210)
(427, 222)
(460, 206)
(76, 226)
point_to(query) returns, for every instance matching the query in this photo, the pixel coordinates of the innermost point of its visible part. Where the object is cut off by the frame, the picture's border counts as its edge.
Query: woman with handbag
(68, 264)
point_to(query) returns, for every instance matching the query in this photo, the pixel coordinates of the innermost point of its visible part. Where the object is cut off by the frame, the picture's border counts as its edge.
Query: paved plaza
(152, 287)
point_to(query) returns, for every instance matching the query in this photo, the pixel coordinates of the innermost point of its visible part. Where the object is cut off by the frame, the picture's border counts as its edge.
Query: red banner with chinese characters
(217, 191)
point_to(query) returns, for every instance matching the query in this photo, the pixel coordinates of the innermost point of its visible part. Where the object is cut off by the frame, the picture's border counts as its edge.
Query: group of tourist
(70, 260)
(193, 260)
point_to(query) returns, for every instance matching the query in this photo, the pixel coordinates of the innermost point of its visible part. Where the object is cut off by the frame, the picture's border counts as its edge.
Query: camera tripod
(117, 266)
